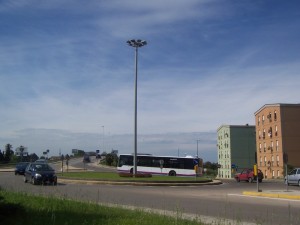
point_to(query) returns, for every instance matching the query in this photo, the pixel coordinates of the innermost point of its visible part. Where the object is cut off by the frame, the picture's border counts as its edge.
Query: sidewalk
(7, 170)
(283, 194)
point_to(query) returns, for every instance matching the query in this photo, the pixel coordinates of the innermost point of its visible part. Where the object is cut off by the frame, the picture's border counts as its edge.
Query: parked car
(40, 173)
(20, 168)
(248, 175)
(293, 177)
(41, 161)
(86, 159)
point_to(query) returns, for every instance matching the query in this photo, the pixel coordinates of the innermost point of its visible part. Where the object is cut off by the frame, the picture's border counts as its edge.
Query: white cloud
(207, 63)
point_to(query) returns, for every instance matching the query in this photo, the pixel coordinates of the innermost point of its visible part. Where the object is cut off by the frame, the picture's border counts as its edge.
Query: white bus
(161, 165)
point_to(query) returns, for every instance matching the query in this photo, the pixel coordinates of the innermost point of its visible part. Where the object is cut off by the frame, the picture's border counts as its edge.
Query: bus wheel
(131, 170)
(172, 173)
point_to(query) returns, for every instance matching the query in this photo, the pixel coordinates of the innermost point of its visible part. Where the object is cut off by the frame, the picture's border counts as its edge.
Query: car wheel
(250, 179)
(25, 180)
(172, 173)
(286, 182)
(33, 181)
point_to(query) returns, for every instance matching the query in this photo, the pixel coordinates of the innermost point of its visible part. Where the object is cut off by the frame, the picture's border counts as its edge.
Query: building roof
(235, 126)
(276, 104)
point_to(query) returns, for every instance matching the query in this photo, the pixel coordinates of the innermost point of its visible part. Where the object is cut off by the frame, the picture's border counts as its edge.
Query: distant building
(78, 152)
(277, 132)
(236, 149)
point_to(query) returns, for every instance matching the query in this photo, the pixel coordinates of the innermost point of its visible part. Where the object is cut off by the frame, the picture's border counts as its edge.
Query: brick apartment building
(277, 132)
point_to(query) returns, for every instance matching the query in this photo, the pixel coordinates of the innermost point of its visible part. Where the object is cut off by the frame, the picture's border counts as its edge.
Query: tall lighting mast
(135, 44)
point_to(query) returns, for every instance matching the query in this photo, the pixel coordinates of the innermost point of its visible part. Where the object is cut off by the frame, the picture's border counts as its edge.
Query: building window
(273, 173)
(265, 146)
(258, 122)
(276, 130)
(275, 115)
(272, 160)
(260, 161)
(270, 117)
(264, 134)
(272, 145)
(259, 147)
(270, 132)
(278, 173)
(277, 145)
(263, 119)
(265, 161)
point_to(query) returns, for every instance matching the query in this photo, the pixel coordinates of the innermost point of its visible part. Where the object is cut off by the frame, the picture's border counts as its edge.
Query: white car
(293, 177)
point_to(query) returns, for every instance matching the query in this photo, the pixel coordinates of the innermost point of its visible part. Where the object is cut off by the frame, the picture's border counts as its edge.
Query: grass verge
(115, 176)
(25, 209)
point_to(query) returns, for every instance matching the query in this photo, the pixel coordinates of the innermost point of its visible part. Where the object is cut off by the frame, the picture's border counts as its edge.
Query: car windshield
(42, 167)
(21, 165)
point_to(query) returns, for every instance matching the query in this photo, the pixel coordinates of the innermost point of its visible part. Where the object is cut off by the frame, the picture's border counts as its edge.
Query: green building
(236, 149)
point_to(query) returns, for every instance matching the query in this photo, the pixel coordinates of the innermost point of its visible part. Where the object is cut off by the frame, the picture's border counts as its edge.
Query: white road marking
(262, 197)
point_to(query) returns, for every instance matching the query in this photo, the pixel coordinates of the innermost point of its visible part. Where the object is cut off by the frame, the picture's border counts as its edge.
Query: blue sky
(66, 71)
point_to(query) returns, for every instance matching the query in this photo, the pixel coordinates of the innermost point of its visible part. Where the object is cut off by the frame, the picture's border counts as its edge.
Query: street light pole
(197, 149)
(102, 139)
(136, 44)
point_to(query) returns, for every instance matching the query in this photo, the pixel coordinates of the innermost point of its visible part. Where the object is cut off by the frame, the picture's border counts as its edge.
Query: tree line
(9, 156)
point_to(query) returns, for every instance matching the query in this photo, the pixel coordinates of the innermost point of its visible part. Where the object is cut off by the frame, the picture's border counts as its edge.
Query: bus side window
(189, 163)
(156, 163)
(182, 165)
(144, 161)
(126, 160)
(174, 164)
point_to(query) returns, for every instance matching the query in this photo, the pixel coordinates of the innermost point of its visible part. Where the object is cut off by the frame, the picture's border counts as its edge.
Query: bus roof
(163, 156)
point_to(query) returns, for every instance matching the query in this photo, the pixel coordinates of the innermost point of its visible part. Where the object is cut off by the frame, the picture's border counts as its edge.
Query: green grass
(25, 209)
(115, 176)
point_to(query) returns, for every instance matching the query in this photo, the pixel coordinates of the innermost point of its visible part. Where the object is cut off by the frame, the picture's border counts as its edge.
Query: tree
(111, 159)
(211, 168)
(8, 152)
(33, 157)
(1, 156)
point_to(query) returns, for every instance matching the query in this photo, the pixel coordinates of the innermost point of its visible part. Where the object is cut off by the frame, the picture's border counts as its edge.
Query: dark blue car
(40, 173)
(20, 168)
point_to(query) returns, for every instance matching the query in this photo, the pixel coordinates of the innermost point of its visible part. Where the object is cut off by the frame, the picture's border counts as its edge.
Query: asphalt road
(78, 165)
(218, 201)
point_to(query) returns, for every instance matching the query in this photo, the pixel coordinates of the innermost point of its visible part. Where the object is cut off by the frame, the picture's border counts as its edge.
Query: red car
(248, 175)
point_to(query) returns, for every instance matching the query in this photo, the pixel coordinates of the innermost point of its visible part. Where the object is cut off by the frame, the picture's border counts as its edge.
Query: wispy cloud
(65, 66)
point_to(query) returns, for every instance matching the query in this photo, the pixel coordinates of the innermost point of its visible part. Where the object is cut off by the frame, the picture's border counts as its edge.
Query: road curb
(272, 195)
(135, 183)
